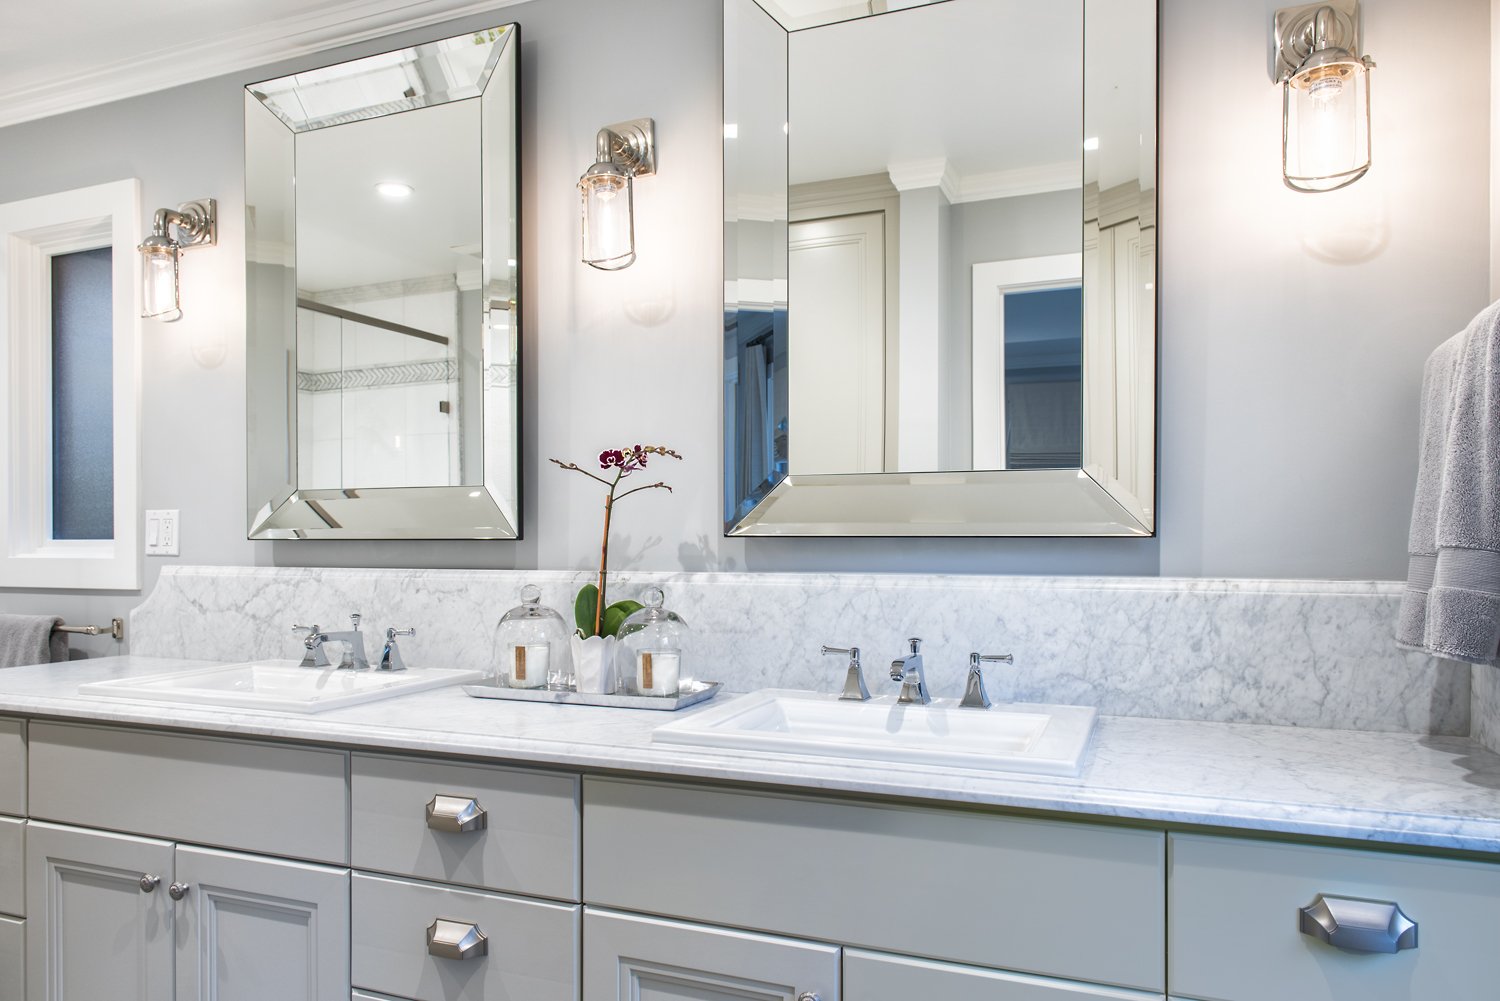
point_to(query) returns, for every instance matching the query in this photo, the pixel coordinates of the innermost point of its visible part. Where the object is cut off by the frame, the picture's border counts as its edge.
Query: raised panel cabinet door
(627, 957)
(101, 917)
(254, 929)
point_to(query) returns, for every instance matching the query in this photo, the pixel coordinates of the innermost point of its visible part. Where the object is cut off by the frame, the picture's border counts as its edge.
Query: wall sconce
(191, 224)
(625, 151)
(1325, 101)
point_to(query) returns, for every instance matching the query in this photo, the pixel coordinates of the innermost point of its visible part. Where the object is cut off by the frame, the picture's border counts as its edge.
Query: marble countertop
(1440, 792)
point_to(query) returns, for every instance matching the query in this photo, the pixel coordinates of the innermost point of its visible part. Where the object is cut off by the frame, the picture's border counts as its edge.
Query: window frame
(32, 232)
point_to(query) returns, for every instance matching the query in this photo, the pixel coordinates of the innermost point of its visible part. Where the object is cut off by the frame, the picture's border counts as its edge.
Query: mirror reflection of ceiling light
(731, 130)
(623, 152)
(1090, 144)
(394, 189)
(1325, 100)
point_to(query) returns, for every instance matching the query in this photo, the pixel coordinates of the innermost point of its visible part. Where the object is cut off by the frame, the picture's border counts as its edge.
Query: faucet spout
(908, 671)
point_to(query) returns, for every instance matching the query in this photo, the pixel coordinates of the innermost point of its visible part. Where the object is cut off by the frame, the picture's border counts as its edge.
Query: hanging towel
(31, 639)
(1451, 605)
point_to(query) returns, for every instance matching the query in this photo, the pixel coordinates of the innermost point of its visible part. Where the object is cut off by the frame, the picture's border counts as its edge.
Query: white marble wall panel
(1298, 653)
(1485, 706)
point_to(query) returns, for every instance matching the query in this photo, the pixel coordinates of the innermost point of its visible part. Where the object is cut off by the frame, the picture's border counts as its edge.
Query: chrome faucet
(908, 671)
(854, 681)
(390, 657)
(354, 658)
(975, 697)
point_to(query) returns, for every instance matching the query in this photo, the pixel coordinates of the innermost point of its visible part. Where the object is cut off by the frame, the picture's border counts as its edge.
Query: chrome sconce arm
(190, 225)
(622, 152)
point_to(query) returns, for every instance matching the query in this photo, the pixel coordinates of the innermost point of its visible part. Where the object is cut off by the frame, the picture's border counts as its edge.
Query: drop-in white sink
(1040, 739)
(276, 684)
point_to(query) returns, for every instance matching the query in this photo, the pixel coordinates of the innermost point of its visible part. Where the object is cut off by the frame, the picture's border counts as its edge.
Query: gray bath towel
(1451, 605)
(31, 639)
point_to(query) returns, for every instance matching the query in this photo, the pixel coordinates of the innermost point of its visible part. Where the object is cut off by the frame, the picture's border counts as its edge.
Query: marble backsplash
(1298, 653)
(1485, 706)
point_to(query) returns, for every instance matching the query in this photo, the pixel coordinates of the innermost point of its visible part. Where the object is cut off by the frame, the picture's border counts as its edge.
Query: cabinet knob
(178, 890)
(809, 996)
(456, 940)
(1356, 925)
(456, 814)
(149, 883)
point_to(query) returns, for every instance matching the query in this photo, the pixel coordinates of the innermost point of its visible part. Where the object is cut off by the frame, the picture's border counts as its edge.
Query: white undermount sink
(276, 684)
(1021, 737)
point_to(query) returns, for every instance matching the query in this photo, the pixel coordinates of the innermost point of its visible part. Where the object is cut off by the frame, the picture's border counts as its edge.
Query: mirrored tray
(691, 695)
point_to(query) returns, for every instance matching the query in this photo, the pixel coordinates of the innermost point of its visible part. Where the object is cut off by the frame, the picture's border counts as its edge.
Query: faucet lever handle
(393, 632)
(854, 682)
(975, 697)
(390, 657)
(916, 644)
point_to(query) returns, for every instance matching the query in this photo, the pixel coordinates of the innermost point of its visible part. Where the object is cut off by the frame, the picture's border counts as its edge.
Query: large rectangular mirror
(940, 267)
(381, 237)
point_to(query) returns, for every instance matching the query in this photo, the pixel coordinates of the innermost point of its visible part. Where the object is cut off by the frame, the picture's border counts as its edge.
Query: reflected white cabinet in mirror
(381, 257)
(940, 267)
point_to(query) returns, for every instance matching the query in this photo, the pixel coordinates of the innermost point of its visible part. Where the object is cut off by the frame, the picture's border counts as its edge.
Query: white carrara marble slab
(1296, 653)
(1440, 792)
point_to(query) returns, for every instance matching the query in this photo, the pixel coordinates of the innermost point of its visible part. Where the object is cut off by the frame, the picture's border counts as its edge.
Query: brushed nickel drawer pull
(178, 890)
(1356, 925)
(456, 814)
(149, 883)
(456, 940)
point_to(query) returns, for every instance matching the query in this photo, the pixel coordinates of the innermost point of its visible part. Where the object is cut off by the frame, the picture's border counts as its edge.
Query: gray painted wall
(1293, 327)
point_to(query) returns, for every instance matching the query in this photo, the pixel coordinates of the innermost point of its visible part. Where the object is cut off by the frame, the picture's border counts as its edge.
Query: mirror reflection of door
(838, 343)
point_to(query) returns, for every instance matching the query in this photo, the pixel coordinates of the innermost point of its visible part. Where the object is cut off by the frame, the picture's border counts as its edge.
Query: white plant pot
(594, 664)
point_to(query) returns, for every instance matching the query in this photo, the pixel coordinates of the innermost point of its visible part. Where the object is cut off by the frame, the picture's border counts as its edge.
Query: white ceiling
(992, 86)
(348, 234)
(67, 54)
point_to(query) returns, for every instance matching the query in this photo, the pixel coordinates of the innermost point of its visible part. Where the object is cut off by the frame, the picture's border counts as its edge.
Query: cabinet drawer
(12, 958)
(260, 797)
(12, 867)
(13, 767)
(1234, 923)
(1069, 900)
(528, 844)
(871, 976)
(533, 945)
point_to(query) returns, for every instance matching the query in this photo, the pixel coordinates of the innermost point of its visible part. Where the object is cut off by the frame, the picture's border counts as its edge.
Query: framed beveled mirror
(381, 211)
(940, 267)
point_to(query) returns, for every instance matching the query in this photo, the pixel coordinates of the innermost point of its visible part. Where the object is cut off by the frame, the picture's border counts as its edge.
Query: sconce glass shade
(160, 295)
(608, 217)
(1325, 122)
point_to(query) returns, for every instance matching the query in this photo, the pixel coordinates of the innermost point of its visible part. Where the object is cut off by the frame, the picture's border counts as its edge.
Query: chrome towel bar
(116, 628)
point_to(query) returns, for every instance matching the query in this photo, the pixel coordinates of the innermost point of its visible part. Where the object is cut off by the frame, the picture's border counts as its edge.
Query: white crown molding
(755, 208)
(190, 60)
(1036, 180)
(916, 174)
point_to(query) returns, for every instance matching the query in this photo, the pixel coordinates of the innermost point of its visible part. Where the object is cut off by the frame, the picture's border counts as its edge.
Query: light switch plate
(161, 533)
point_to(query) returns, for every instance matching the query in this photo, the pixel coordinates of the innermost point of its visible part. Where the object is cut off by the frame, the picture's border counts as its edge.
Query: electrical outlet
(161, 533)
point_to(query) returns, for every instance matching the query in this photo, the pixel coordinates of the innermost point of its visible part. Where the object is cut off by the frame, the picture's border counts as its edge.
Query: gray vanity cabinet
(255, 929)
(139, 919)
(628, 957)
(108, 936)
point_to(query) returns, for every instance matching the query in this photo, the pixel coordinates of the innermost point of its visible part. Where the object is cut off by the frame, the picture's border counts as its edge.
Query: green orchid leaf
(585, 609)
(616, 614)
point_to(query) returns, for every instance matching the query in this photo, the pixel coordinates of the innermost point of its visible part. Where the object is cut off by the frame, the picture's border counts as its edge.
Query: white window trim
(31, 233)
(992, 280)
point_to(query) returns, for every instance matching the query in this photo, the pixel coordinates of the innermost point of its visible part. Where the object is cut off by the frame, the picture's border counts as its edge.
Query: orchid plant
(590, 611)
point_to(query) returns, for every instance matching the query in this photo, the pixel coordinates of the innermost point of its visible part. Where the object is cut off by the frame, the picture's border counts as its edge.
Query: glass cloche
(532, 647)
(654, 646)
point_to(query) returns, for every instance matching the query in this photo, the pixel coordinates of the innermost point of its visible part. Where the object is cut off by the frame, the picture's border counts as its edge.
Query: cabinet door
(250, 929)
(96, 931)
(631, 958)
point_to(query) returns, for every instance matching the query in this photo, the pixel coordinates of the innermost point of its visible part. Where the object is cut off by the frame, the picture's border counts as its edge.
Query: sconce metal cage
(1325, 104)
(623, 152)
(190, 225)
